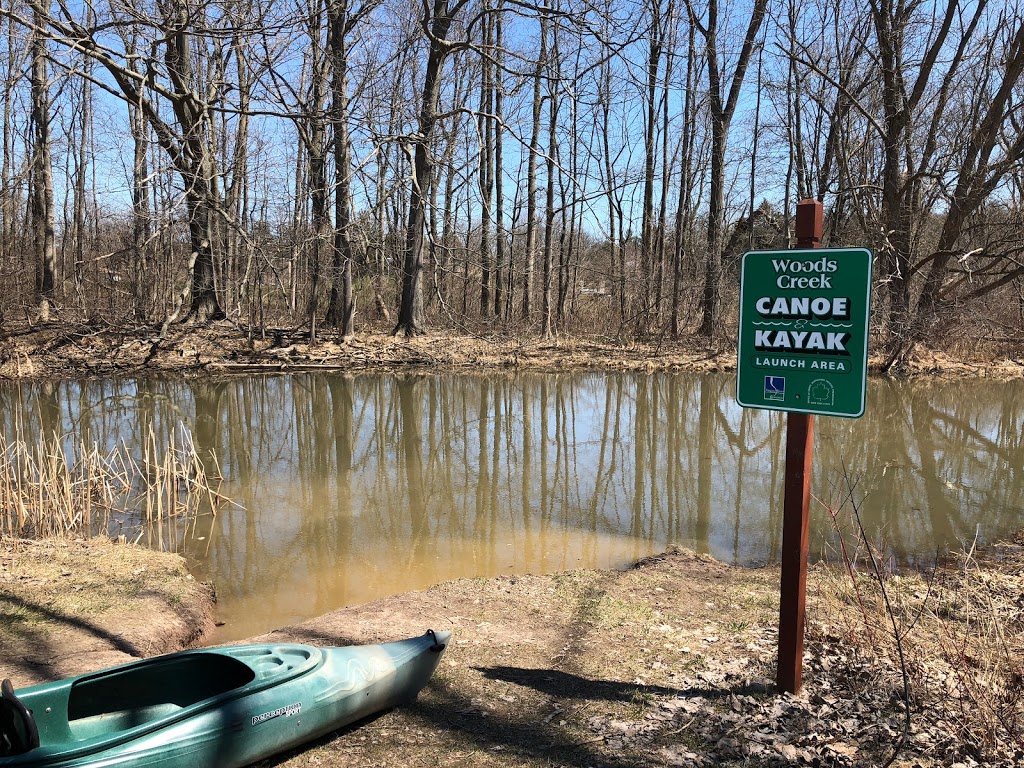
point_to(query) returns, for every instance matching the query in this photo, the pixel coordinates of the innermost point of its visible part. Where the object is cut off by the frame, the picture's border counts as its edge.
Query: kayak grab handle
(438, 646)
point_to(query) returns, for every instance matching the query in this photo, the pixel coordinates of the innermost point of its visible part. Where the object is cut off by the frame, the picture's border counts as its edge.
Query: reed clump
(56, 486)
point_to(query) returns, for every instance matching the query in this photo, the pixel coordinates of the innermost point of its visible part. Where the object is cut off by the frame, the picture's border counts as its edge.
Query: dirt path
(570, 669)
(670, 663)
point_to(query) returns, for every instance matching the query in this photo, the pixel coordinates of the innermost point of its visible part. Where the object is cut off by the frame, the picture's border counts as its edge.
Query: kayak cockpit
(95, 712)
(18, 730)
(129, 697)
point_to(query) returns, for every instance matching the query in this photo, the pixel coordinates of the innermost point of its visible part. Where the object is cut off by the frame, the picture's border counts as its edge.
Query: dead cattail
(54, 486)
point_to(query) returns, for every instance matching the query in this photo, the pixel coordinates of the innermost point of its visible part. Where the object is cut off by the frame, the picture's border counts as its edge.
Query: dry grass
(55, 487)
(957, 632)
(970, 648)
(70, 605)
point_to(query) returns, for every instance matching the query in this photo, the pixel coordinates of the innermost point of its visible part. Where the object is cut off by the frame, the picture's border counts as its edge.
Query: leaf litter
(672, 663)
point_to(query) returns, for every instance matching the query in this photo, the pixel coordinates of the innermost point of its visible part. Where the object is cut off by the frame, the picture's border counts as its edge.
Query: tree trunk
(193, 157)
(549, 213)
(205, 306)
(531, 171)
(499, 188)
(8, 195)
(42, 177)
(142, 280)
(684, 216)
(722, 106)
(486, 168)
(647, 234)
(341, 310)
(410, 311)
(316, 145)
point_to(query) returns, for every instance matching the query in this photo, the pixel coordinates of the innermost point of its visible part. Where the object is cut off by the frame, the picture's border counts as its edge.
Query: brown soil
(541, 667)
(670, 663)
(58, 351)
(72, 606)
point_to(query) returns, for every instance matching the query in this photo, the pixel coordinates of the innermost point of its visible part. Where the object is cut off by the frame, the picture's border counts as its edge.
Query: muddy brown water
(353, 487)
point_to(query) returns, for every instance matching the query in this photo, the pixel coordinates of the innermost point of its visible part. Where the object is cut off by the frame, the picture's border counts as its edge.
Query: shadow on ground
(448, 725)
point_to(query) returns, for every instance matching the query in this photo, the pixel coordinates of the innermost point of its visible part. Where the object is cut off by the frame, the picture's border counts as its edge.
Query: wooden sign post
(797, 503)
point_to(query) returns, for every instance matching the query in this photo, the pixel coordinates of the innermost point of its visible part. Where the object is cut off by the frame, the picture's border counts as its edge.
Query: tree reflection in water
(352, 487)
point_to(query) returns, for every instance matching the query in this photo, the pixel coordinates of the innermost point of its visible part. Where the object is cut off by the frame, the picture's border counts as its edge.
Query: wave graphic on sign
(806, 323)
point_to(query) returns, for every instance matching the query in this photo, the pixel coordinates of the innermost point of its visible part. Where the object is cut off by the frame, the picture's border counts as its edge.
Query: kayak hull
(225, 707)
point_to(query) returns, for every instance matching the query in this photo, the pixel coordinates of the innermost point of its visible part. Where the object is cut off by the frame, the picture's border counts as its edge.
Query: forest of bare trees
(566, 167)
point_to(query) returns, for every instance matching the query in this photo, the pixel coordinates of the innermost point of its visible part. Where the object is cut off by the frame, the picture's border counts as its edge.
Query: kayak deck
(123, 698)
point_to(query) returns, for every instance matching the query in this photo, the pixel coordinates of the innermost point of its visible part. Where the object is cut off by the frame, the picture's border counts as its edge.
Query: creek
(350, 487)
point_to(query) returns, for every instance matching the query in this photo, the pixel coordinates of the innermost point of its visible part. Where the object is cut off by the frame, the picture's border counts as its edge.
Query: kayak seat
(119, 699)
(18, 731)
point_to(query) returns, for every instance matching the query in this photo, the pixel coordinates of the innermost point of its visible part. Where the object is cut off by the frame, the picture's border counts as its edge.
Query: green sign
(803, 332)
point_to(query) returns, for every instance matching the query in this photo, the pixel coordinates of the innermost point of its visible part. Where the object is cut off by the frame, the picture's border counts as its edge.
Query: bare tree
(485, 173)
(436, 23)
(9, 187)
(171, 78)
(995, 149)
(686, 205)
(553, 62)
(42, 173)
(722, 105)
(343, 20)
(531, 169)
(498, 84)
(658, 18)
(936, 139)
(412, 124)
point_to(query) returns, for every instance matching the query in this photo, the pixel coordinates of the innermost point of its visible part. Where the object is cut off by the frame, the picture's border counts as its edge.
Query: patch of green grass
(640, 702)
(11, 613)
(765, 601)
(693, 663)
(611, 612)
(736, 627)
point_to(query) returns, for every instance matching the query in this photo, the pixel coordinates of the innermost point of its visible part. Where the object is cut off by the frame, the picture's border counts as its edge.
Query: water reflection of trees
(354, 486)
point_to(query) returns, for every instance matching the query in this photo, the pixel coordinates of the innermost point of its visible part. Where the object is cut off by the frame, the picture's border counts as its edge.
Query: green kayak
(218, 707)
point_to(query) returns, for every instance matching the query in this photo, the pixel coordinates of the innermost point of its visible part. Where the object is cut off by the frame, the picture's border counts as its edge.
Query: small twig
(681, 728)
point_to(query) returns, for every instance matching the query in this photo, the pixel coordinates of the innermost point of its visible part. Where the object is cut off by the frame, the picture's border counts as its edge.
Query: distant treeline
(551, 167)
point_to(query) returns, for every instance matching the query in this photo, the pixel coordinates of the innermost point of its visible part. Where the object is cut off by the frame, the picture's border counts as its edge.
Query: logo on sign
(821, 392)
(774, 387)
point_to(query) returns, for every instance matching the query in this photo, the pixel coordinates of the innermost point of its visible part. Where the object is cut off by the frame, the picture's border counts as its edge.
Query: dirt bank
(670, 663)
(82, 350)
(73, 606)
